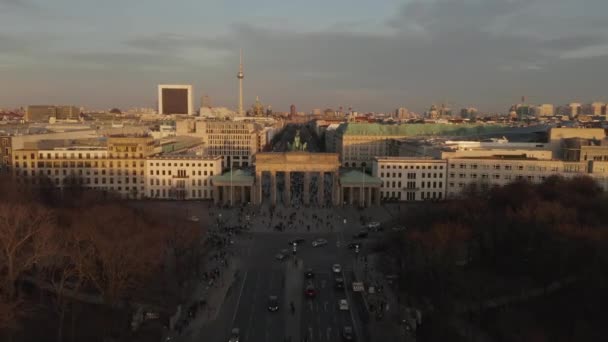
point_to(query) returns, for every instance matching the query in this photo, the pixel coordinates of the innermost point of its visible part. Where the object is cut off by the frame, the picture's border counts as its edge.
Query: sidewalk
(294, 283)
(207, 295)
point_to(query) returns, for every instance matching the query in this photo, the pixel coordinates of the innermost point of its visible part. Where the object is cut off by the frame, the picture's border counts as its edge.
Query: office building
(545, 110)
(575, 109)
(43, 113)
(410, 179)
(175, 99)
(181, 176)
(358, 143)
(402, 113)
(235, 141)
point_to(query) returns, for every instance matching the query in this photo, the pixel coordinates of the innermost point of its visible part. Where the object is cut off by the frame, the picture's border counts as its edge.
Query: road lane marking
(236, 310)
(328, 334)
(310, 305)
(310, 333)
(325, 306)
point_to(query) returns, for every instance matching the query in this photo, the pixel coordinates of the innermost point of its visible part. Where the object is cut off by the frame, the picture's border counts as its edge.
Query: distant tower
(241, 76)
(205, 101)
(292, 110)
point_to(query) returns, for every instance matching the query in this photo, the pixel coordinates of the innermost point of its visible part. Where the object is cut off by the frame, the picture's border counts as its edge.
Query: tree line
(79, 244)
(540, 233)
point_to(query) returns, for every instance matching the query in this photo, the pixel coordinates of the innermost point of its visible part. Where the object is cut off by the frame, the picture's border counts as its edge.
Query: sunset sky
(371, 55)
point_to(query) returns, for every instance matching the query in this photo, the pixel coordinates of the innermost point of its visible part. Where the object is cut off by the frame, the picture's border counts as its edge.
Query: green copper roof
(239, 177)
(355, 177)
(403, 130)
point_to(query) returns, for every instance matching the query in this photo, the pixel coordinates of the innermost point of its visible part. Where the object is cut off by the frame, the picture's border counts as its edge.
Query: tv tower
(241, 76)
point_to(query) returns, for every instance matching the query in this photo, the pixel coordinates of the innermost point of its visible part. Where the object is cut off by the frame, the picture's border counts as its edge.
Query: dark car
(355, 245)
(297, 241)
(310, 291)
(347, 334)
(339, 283)
(273, 303)
(361, 235)
(309, 273)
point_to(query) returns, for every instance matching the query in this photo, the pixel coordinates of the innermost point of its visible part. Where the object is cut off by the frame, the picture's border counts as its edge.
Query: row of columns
(306, 190)
(366, 196)
(223, 195)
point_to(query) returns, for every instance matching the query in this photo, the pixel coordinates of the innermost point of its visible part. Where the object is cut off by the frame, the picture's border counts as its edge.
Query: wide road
(246, 306)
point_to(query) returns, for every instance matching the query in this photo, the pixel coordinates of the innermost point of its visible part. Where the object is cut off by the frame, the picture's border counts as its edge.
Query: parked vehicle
(273, 303)
(235, 335)
(319, 243)
(343, 305)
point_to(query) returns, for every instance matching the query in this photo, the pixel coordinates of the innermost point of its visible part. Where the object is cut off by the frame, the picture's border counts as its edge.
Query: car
(355, 245)
(235, 335)
(398, 229)
(297, 241)
(309, 273)
(310, 291)
(273, 303)
(347, 334)
(194, 218)
(284, 251)
(343, 303)
(336, 268)
(319, 243)
(339, 283)
(280, 256)
(361, 235)
(374, 227)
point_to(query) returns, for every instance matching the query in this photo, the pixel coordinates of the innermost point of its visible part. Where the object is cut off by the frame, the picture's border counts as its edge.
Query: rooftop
(401, 130)
(234, 177)
(356, 177)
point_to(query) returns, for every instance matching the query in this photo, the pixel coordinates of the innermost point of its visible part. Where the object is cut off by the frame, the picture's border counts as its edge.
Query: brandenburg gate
(323, 166)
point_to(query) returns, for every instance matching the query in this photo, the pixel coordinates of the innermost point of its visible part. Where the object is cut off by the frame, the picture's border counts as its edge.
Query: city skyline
(371, 57)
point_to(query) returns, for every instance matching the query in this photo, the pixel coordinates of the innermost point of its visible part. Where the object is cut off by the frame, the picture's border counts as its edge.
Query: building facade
(181, 177)
(175, 99)
(411, 179)
(118, 167)
(489, 172)
(42, 113)
(6, 153)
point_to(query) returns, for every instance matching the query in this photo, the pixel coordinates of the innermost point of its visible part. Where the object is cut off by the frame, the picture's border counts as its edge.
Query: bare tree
(26, 237)
(126, 250)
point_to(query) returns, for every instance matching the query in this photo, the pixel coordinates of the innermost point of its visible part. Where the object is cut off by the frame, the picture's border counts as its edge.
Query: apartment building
(410, 179)
(498, 171)
(116, 165)
(181, 176)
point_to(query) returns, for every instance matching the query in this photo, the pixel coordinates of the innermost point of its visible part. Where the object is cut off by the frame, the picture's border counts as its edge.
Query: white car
(319, 242)
(343, 304)
(194, 218)
(234, 335)
(336, 268)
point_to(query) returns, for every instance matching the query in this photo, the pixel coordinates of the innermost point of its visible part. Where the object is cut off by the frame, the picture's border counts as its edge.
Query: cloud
(485, 53)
